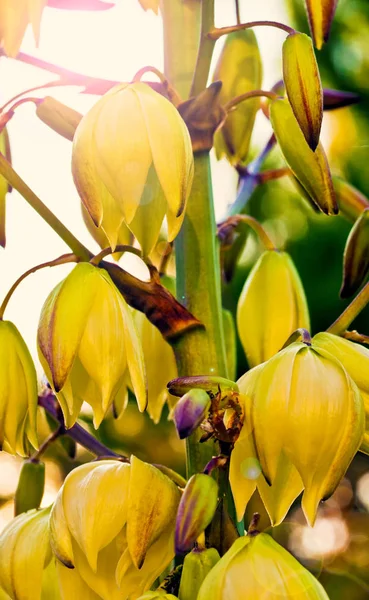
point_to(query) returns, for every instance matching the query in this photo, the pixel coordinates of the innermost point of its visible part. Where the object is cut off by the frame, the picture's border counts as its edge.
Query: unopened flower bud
(303, 85)
(190, 411)
(320, 14)
(30, 488)
(157, 595)
(59, 117)
(132, 161)
(310, 168)
(333, 99)
(356, 256)
(239, 69)
(18, 392)
(196, 565)
(271, 573)
(82, 359)
(196, 510)
(271, 306)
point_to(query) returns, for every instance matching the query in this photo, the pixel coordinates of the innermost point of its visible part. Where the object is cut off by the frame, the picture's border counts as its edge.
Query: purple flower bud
(190, 411)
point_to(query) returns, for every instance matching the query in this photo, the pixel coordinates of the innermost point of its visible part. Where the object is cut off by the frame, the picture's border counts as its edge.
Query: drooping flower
(114, 523)
(271, 306)
(257, 567)
(132, 161)
(306, 414)
(87, 340)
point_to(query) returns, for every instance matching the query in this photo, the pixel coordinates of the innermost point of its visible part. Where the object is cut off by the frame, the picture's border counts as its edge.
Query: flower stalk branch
(218, 32)
(350, 313)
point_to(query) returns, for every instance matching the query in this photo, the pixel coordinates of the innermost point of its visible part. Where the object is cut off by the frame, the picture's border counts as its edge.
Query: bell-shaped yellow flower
(18, 392)
(355, 359)
(320, 14)
(14, 18)
(304, 410)
(114, 523)
(271, 306)
(240, 70)
(86, 341)
(150, 4)
(24, 555)
(132, 161)
(245, 474)
(256, 567)
(160, 364)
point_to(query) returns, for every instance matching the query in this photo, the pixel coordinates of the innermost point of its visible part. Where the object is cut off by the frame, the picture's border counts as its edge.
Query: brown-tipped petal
(356, 256)
(303, 85)
(310, 168)
(320, 14)
(195, 511)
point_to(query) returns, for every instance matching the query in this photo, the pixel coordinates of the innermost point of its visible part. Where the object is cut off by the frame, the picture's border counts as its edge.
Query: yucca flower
(114, 523)
(256, 567)
(18, 392)
(196, 565)
(88, 344)
(132, 161)
(355, 359)
(15, 16)
(304, 422)
(271, 306)
(160, 364)
(27, 568)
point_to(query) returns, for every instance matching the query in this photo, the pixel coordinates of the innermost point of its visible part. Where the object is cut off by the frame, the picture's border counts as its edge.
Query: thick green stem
(351, 312)
(201, 351)
(18, 184)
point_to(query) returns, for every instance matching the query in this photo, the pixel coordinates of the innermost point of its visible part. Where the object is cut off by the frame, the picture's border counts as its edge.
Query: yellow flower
(160, 364)
(14, 18)
(271, 306)
(114, 523)
(25, 557)
(86, 341)
(18, 392)
(256, 568)
(306, 415)
(132, 161)
(355, 359)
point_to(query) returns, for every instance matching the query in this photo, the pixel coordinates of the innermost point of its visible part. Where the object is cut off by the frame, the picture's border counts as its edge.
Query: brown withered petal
(196, 510)
(320, 15)
(356, 256)
(303, 85)
(333, 99)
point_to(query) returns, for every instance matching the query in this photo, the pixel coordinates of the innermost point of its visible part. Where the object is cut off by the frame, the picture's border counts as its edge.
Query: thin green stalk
(18, 184)
(201, 351)
(206, 48)
(351, 312)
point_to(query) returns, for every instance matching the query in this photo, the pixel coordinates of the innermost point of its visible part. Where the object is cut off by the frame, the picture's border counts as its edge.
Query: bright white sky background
(112, 44)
